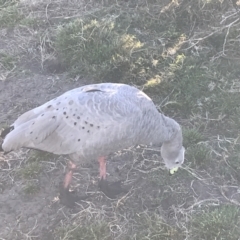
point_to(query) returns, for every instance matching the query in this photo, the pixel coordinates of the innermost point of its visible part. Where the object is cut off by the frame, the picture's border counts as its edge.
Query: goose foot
(111, 190)
(68, 198)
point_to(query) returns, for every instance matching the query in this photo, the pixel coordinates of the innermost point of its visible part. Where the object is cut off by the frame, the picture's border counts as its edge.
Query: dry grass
(185, 55)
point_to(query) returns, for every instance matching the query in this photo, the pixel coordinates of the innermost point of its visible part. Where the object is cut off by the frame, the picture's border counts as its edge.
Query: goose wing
(88, 120)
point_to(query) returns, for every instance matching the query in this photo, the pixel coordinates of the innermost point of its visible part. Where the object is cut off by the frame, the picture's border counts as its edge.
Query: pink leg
(102, 167)
(69, 174)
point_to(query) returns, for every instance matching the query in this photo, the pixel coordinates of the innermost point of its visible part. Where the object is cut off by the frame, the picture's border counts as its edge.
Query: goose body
(95, 120)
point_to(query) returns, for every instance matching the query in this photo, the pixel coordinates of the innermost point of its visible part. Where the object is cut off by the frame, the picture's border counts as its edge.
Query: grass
(114, 45)
(38, 156)
(31, 189)
(93, 231)
(191, 136)
(34, 167)
(154, 227)
(7, 61)
(12, 14)
(146, 227)
(9, 15)
(31, 170)
(30, 22)
(94, 46)
(198, 155)
(217, 223)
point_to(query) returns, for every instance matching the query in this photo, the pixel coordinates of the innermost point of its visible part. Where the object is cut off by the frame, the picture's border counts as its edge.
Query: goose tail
(3, 134)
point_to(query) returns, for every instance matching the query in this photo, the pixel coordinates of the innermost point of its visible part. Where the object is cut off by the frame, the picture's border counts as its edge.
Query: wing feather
(31, 133)
(91, 120)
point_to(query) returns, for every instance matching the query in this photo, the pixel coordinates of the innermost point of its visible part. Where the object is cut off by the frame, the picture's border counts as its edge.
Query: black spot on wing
(94, 90)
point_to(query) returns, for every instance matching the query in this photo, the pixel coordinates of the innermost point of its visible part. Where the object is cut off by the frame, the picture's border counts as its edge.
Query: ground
(185, 55)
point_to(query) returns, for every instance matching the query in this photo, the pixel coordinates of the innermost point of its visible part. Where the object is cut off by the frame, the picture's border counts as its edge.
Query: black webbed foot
(111, 190)
(68, 198)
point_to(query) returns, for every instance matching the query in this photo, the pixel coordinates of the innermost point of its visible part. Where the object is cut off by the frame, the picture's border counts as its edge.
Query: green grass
(155, 228)
(229, 168)
(94, 46)
(30, 170)
(145, 227)
(198, 155)
(217, 223)
(38, 156)
(31, 189)
(191, 137)
(9, 16)
(7, 61)
(6, 3)
(192, 86)
(30, 22)
(109, 48)
(92, 231)
(225, 103)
